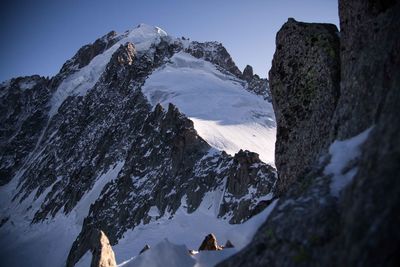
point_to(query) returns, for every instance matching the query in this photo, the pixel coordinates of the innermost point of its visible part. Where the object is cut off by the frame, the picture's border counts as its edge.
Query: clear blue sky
(38, 36)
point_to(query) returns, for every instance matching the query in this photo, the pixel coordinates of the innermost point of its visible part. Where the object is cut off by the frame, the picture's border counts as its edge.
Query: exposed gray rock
(304, 81)
(309, 226)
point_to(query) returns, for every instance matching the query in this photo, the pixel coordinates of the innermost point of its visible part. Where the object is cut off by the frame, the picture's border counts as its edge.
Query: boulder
(209, 243)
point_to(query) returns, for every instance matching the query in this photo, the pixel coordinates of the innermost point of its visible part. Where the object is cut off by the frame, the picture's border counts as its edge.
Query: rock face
(310, 225)
(369, 66)
(23, 114)
(304, 81)
(371, 204)
(209, 243)
(96, 242)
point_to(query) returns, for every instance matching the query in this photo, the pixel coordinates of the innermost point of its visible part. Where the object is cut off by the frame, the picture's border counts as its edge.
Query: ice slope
(226, 115)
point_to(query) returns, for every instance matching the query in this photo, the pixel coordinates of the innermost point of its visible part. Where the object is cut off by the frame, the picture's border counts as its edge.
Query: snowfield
(227, 116)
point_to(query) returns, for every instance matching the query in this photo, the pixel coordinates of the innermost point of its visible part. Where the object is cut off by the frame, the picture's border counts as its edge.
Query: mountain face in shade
(136, 128)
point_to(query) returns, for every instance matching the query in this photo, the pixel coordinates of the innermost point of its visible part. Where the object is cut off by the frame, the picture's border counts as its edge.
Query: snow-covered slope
(227, 116)
(180, 231)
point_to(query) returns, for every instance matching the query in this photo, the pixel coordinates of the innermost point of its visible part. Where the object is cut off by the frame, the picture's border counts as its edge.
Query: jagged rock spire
(248, 73)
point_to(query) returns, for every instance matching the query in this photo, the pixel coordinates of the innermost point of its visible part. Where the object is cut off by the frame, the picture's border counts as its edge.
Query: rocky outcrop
(304, 81)
(124, 55)
(209, 243)
(244, 186)
(247, 73)
(256, 84)
(215, 53)
(97, 243)
(311, 226)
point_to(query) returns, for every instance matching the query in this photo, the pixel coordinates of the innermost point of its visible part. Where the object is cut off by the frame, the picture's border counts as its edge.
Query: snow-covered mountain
(141, 135)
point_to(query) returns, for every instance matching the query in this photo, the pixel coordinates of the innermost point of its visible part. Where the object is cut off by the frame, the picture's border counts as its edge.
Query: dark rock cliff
(311, 226)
